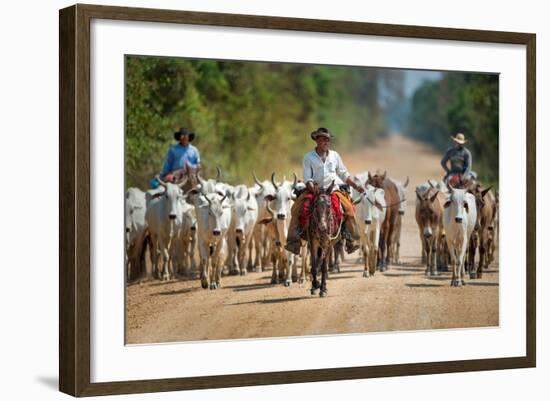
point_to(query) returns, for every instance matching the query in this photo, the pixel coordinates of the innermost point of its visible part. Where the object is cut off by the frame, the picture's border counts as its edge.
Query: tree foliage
(460, 102)
(246, 115)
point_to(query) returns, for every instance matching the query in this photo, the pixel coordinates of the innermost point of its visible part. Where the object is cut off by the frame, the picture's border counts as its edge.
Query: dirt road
(402, 298)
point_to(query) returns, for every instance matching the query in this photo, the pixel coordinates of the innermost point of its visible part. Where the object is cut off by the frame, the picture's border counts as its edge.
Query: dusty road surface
(402, 298)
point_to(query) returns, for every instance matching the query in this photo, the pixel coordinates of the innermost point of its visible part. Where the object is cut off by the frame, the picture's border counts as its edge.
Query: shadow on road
(248, 287)
(174, 292)
(424, 285)
(273, 301)
(481, 284)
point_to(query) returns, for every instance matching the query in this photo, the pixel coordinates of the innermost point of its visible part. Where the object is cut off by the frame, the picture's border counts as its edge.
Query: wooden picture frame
(75, 200)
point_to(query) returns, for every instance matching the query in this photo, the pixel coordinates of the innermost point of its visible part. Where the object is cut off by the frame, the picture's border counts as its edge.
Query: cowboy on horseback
(182, 157)
(460, 160)
(321, 168)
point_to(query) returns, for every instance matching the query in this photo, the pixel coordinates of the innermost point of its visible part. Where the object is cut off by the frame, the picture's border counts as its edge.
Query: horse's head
(322, 221)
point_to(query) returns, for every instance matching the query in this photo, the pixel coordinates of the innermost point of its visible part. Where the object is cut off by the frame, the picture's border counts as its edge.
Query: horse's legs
(314, 261)
(324, 274)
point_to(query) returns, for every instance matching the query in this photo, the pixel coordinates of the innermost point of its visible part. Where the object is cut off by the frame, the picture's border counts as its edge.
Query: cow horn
(451, 188)
(257, 181)
(160, 181)
(183, 182)
(406, 182)
(225, 196)
(248, 197)
(273, 181)
(203, 194)
(357, 201)
(200, 179)
(484, 192)
(295, 180)
(218, 173)
(431, 185)
(329, 189)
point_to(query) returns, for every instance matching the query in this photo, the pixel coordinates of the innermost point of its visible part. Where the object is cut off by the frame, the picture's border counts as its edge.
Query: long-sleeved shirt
(460, 158)
(323, 173)
(178, 156)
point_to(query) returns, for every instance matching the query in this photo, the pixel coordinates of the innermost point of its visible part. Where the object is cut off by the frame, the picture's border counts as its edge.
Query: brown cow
(391, 196)
(429, 217)
(486, 210)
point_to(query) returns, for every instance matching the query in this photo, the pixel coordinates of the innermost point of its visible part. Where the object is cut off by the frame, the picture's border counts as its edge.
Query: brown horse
(323, 232)
(391, 196)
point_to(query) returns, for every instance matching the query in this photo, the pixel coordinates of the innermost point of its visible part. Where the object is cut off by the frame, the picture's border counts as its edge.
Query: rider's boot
(351, 244)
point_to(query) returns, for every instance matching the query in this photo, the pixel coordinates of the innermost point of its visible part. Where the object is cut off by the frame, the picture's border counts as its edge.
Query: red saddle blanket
(308, 207)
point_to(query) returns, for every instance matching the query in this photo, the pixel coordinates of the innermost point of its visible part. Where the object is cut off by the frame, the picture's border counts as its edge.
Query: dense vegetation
(460, 102)
(246, 115)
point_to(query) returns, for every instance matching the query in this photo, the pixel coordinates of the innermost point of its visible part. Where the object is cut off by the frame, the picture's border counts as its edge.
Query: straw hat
(321, 132)
(459, 138)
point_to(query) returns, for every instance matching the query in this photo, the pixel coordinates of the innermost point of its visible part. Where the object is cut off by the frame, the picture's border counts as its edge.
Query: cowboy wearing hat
(182, 155)
(321, 167)
(460, 160)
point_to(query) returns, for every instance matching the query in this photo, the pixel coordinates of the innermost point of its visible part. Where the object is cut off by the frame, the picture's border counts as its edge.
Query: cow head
(457, 203)
(376, 180)
(428, 211)
(281, 201)
(172, 195)
(241, 208)
(402, 192)
(370, 203)
(215, 208)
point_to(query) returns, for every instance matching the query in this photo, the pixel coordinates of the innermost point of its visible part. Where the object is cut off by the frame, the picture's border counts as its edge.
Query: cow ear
(447, 204)
(484, 192)
(434, 196)
(378, 205)
(418, 196)
(157, 195)
(466, 206)
(269, 198)
(266, 220)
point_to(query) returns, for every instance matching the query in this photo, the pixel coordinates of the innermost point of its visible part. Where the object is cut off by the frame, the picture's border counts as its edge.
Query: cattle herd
(238, 229)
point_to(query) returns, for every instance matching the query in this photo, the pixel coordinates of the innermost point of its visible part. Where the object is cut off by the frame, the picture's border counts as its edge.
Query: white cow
(244, 214)
(183, 251)
(262, 241)
(136, 233)
(370, 215)
(396, 242)
(459, 219)
(164, 208)
(278, 207)
(213, 219)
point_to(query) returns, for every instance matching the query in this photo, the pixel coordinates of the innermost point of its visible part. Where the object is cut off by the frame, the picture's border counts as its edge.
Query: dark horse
(323, 232)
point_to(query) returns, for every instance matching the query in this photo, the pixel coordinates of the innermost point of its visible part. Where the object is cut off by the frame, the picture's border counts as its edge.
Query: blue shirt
(178, 156)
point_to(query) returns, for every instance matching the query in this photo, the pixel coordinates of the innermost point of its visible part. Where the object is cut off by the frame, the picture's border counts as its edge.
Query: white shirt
(323, 173)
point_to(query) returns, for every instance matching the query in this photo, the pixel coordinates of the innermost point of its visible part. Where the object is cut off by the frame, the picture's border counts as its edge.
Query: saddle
(335, 204)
